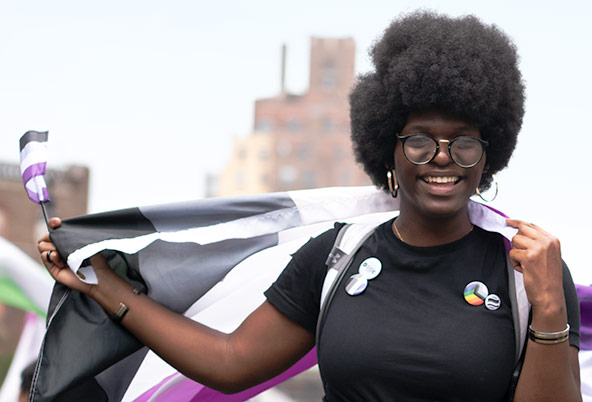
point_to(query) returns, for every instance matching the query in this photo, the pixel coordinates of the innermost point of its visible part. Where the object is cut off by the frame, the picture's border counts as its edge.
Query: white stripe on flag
(34, 152)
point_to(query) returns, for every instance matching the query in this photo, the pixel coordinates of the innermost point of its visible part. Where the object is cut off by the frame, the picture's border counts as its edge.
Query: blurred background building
(21, 222)
(299, 141)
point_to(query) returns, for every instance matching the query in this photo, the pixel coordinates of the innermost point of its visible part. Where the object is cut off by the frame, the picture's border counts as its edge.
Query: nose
(442, 156)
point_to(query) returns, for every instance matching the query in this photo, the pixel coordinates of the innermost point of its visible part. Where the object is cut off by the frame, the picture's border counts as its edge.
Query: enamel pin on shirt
(476, 294)
(369, 269)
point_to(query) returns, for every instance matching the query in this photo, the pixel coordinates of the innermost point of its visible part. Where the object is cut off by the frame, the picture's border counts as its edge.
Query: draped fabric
(209, 259)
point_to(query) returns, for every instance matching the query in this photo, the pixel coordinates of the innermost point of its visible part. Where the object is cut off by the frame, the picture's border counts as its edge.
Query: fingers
(532, 246)
(527, 227)
(47, 250)
(55, 223)
(49, 255)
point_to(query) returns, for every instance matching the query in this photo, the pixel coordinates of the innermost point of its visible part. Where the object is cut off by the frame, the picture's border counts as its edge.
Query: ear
(485, 169)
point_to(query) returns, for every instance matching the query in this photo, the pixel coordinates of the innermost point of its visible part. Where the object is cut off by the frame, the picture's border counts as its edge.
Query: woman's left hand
(537, 254)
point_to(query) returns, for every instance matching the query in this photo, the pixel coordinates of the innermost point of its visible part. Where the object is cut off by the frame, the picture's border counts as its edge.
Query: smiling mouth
(441, 179)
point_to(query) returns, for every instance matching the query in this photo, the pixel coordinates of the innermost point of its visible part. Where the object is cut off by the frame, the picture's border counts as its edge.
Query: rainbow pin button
(475, 293)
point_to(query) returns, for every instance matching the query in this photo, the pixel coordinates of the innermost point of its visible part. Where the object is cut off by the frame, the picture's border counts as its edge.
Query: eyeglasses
(465, 151)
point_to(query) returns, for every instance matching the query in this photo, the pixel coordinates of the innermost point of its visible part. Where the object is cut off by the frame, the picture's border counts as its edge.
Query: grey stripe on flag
(192, 214)
(189, 270)
(117, 378)
(31, 136)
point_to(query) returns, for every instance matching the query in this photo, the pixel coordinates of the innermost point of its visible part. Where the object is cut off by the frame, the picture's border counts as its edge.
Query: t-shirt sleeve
(573, 307)
(297, 291)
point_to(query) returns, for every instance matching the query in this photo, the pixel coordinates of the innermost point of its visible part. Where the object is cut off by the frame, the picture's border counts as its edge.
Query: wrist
(549, 317)
(109, 286)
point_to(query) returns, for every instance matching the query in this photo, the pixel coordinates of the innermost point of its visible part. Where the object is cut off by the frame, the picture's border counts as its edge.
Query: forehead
(440, 124)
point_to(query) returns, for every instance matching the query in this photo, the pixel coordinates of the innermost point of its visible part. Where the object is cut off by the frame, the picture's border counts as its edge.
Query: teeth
(439, 179)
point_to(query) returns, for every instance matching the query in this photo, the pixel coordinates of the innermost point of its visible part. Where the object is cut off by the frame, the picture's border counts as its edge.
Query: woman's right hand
(55, 264)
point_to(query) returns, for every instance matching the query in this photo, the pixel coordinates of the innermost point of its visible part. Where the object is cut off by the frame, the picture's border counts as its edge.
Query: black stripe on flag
(76, 233)
(31, 136)
(198, 213)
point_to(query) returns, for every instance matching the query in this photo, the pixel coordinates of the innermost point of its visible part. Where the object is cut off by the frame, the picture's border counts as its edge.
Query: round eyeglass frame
(403, 138)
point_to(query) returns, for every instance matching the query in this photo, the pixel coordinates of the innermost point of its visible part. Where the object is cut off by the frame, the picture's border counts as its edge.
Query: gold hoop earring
(391, 179)
(494, 195)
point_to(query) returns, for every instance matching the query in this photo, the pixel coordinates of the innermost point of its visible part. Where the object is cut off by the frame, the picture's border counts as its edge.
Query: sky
(149, 94)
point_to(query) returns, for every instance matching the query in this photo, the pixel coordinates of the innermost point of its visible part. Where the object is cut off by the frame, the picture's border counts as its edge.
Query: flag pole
(45, 214)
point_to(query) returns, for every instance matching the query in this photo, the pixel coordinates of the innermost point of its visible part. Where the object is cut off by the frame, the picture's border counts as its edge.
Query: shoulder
(297, 291)
(317, 248)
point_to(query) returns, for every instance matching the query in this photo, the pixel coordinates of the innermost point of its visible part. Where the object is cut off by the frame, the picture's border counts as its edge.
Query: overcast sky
(149, 94)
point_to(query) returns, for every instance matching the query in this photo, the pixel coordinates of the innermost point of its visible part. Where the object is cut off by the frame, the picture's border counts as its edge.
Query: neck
(426, 231)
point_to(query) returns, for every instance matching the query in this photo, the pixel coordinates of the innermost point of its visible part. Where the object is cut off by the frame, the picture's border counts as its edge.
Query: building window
(304, 152)
(284, 148)
(263, 154)
(328, 125)
(239, 180)
(242, 153)
(293, 126)
(329, 74)
(308, 179)
(288, 174)
(263, 126)
(338, 153)
(344, 178)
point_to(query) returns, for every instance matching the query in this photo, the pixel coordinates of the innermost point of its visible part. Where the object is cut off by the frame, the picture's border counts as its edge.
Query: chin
(444, 209)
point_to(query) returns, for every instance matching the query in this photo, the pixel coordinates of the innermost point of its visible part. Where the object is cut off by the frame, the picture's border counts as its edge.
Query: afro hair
(429, 61)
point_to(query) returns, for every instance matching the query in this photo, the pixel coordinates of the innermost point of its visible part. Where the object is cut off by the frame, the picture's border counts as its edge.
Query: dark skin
(267, 342)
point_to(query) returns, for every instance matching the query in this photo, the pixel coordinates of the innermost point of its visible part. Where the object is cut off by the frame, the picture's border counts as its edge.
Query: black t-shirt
(411, 335)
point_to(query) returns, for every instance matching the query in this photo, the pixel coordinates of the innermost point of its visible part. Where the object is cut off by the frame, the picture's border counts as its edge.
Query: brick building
(21, 220)
(299, 141)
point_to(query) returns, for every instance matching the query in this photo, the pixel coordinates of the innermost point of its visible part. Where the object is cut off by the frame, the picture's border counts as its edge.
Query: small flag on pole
(33, 165)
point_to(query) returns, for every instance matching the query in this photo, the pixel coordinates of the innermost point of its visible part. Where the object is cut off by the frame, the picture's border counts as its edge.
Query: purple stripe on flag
(148, 394)
(188, 390)
(585, 296)
(496, 211)
(36, 169)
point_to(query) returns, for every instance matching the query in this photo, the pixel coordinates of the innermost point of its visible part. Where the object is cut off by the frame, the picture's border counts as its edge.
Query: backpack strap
(520, 306)
(520, 315)
(348, 241)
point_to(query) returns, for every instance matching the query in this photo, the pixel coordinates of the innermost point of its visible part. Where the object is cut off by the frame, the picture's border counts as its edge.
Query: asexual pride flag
(210, 260)
(33, 147)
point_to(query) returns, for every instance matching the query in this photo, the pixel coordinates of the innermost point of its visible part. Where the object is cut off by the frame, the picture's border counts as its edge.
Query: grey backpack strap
(520, 306)
(348, 241)
(520, 315)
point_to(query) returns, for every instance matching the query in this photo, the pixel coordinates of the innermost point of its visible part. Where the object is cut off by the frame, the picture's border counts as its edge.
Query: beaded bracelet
(122, 310)
(548, 338)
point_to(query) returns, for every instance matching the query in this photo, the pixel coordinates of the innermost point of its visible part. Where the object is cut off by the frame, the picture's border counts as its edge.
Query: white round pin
(356, 284)
(370, 268)
(493, 302)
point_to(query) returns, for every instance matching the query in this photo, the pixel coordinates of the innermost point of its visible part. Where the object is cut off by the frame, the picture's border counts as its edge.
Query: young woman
(435, 120)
